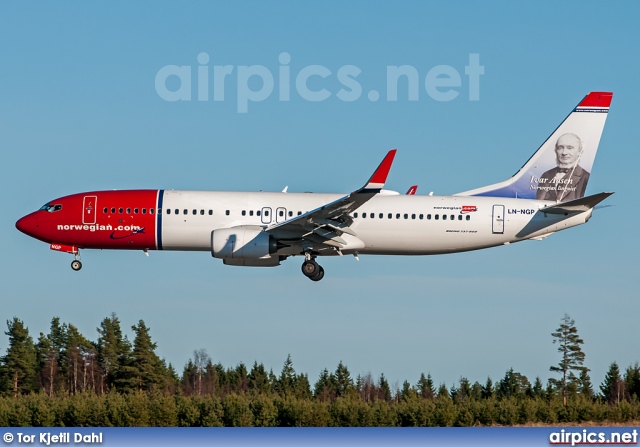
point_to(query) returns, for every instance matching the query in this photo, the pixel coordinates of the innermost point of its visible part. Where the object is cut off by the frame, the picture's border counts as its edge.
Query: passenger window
(244, 213)
(202, 212)
(381, 216)
(437, 216)
(135, 211)
(120, 210)
(281, 213)
(152, 210)
(398, 216)
(421, 216)
(266, 213)
(460, 217)
(290, 213)
(406, 216)
(113, 210)
(195, 212)
(428, 216)
(364, 215)
(128, 210)
(258, 213)
(468, 217)
(185, 211)
(105, 210)
(144, 211)
(413, 216)
(299, 213)
(227, 212)
(210, 212)
(372, 215)
(355, 215)
(389, 216)
(444, 217)
(250, 212)
(168, 210)
(453, 217)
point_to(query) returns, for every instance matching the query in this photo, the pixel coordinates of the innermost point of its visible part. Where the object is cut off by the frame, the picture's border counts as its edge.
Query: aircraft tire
(310, 268)
(318, 275)
(76, 265)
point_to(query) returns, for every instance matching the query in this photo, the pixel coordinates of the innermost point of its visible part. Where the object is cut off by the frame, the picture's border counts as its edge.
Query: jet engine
(242, 243)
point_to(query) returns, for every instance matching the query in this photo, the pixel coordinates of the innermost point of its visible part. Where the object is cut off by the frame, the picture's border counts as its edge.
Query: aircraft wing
(327, 223)
(577, 205)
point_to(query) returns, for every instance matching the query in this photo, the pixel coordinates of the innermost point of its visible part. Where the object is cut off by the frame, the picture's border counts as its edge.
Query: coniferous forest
(64, 379)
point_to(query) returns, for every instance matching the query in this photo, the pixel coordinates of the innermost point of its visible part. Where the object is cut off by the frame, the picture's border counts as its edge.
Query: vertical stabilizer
(560, 168)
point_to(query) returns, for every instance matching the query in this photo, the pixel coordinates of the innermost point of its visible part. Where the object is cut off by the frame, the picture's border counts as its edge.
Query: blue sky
(79, 111)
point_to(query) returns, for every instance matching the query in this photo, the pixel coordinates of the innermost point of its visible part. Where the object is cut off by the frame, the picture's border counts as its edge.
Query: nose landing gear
(76, 264)
(312, 270)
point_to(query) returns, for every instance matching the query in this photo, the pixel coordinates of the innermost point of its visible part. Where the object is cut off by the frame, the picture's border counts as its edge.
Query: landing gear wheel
(310, 268)
(318, 275)
(76, 265)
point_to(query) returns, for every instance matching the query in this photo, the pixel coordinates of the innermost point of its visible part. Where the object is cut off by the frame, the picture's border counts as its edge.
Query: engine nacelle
(242, 243)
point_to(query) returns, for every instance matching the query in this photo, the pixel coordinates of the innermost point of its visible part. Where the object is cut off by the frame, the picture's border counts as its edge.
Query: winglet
(412, 191)
(378, 179)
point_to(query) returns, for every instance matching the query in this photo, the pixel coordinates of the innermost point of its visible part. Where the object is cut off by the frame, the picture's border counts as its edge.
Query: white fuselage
(394, 224)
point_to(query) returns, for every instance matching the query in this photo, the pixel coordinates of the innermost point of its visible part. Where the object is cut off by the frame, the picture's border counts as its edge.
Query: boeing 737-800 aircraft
(262, 229)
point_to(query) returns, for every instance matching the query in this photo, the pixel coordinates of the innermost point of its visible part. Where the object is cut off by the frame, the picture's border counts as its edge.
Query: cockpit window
(50, 207)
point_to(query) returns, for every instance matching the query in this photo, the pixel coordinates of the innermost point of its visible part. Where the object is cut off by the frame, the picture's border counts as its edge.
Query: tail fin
(560, 168)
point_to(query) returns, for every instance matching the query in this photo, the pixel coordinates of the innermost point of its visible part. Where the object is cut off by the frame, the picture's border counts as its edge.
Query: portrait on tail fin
(560, 169)
(568, 180)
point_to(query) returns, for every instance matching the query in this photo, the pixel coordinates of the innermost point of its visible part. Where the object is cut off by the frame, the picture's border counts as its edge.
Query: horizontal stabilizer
(576, 206)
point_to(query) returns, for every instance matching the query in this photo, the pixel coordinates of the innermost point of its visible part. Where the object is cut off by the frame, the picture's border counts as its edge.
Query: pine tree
(113, 351)
(19, 364)
(572, 356)
(538, 389)
(443, 392)
(303, 387)
(513, 384)
(613, 387)
(343, 382)
(384, 392)
(258, 379)
(425, 387)
(584, 384)
(487, 389)
(632, 381)
(287, 380)
(147, 367)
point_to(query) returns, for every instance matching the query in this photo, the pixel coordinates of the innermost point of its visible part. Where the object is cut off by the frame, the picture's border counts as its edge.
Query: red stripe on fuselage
(123, 219)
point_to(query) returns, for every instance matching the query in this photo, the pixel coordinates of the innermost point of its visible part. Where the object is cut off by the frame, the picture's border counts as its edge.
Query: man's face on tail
(568, 150)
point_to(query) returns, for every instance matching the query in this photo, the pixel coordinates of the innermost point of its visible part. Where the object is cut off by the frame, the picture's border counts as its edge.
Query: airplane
(412, 190)
(262, 229)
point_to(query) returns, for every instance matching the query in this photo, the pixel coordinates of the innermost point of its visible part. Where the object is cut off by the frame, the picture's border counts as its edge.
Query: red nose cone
(27, 225)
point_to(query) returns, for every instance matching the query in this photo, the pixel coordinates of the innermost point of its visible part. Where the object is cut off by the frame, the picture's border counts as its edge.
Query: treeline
(63, 379)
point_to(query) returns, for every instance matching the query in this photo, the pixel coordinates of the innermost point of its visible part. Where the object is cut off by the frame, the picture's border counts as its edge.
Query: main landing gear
(311, 269)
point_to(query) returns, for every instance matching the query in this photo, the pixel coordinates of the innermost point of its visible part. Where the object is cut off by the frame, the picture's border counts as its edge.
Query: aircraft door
(89, 206)
(265, 215)
(498, 219)
(281, 214)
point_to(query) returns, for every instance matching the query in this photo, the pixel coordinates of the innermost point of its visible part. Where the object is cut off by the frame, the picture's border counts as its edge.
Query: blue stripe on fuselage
(159, 219)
